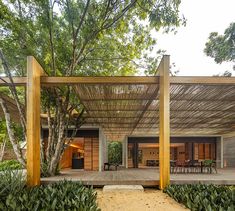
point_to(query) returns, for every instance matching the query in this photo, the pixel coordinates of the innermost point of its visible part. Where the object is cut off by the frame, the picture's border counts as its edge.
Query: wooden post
(34, 71)
(164, 126)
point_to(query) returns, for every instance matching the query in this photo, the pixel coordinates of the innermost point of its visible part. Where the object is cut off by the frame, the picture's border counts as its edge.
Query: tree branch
(14, 93)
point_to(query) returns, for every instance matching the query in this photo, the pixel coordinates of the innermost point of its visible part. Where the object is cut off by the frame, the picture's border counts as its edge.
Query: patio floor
(145, 177)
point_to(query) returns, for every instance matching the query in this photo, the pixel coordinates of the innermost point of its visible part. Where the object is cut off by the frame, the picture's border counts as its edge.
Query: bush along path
(204, 197)
(64, 195)
(10, 164)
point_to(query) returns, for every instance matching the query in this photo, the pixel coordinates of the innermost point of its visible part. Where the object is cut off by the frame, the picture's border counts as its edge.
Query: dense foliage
(115, 152)
(64, 195)
(222, 47)
(10, 164)
(203, 197)
(84, 37)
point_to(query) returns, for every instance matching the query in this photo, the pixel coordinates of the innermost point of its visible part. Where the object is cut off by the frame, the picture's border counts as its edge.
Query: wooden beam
(99, 80)
(203, 80)
(73, 80)
(18, 81)
(34, 71)
(164, 126)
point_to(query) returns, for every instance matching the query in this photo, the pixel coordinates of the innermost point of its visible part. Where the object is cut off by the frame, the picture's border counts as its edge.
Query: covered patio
(144, 177)
(160, 105)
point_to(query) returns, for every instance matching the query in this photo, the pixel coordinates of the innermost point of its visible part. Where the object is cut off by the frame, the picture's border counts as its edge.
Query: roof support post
(164, 120)
(34, 71)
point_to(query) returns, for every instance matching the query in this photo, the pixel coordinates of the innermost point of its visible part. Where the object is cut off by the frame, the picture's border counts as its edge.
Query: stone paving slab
(111, 188)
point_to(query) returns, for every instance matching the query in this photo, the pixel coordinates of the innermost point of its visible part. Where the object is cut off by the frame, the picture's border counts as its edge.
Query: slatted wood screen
(91, 154)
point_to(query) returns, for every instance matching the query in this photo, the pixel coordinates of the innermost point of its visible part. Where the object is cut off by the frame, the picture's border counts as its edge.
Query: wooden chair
(172, 166)
(108, 165)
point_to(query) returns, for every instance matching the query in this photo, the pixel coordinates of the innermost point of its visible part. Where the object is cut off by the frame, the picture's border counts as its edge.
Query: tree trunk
(2, 149)
(55, 159)
(11, 134)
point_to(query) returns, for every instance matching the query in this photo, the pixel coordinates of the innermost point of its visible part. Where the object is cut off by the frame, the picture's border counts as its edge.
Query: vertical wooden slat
(164, 127)
(95, 154)
(91, 155)
(87, 154)
(34, 71)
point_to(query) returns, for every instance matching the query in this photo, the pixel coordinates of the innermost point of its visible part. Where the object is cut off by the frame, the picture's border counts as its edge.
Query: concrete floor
(145, 177)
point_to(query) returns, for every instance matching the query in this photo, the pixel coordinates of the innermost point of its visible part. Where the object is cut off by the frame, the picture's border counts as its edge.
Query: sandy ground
(150, 199)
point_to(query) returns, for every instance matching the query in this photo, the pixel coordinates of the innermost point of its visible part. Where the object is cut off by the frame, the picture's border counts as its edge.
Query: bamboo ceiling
(197, 106)
(195, 109)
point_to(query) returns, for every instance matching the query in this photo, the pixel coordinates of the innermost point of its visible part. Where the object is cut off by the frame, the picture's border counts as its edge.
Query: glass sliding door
(148, 155)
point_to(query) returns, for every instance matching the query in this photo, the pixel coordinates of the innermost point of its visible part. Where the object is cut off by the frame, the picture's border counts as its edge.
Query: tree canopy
(93, 37)
(222, 47)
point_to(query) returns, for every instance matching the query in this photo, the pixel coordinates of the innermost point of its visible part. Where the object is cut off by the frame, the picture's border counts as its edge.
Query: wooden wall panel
(130, 163)
(95, 155)
(201, 152)
(87, 153)
(213, 151)
(207, 151)
(66, 160)
(91, 154)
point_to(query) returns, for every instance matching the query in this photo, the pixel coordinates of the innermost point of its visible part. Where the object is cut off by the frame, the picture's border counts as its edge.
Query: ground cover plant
(10, 164)
(203, 197)
(64, 195)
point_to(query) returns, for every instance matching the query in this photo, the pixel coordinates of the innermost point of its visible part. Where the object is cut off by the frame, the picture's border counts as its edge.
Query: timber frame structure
(161, 105)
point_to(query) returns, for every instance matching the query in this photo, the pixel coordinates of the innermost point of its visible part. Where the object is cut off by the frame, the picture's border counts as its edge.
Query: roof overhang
(130, 105)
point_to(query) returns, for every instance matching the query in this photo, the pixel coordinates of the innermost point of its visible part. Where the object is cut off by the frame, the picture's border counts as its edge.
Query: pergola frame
(36, 78)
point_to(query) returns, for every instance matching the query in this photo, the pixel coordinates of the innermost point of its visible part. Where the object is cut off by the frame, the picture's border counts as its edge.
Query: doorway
(73, 156)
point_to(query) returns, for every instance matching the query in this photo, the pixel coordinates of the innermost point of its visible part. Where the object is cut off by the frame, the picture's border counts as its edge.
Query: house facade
(88, 150)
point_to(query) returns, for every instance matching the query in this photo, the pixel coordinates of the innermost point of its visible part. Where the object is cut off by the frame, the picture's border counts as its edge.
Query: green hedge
(203, 197)
(64, 195)
(10, 164)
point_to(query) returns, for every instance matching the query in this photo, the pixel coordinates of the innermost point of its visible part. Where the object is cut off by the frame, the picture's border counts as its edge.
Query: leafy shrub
(208, 162)
(64, 195)
(203, 197)
(11, 182)
(10, 164)
(115, 152)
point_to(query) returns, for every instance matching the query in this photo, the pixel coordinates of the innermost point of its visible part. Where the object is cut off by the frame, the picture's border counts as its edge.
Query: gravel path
(150, 199)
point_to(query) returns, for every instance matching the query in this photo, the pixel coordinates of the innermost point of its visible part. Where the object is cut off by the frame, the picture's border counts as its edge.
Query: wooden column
(34, 71)
(164, 127)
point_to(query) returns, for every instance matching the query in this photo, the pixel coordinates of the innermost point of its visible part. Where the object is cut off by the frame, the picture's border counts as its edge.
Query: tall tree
(85, 37)
(222, 47)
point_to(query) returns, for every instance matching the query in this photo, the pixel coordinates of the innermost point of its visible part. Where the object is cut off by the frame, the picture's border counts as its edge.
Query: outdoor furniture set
(193, 166)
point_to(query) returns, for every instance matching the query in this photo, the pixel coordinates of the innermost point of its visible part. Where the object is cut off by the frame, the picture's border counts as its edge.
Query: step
(110, 188)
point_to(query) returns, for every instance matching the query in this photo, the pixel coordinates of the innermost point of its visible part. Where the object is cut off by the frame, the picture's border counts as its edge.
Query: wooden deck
(145, 177)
